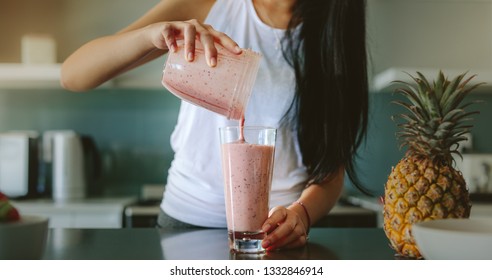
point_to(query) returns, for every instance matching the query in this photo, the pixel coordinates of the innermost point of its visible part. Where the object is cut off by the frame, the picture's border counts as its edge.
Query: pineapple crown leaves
(434, 124)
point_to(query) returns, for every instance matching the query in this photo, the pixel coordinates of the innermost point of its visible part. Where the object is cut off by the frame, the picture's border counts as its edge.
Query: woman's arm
(147, 38)
(287, 227)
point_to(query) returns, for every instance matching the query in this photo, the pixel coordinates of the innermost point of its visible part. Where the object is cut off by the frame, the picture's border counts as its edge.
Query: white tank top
(195, 187)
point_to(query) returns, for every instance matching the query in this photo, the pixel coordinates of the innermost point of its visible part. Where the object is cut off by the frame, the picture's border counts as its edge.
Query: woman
(311, 86)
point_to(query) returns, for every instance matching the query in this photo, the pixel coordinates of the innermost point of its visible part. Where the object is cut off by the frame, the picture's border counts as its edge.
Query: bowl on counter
(454, 239)
(24, 239)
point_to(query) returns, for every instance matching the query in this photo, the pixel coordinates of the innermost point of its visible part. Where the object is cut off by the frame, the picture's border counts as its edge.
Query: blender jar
(224, 89)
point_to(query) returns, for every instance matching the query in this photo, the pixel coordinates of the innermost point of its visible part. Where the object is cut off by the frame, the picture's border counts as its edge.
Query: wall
(435, 34)
(381, 151)
(453, 34)
(71, 22)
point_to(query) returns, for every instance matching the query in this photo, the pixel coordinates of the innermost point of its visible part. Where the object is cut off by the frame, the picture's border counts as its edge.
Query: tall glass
(247, 169)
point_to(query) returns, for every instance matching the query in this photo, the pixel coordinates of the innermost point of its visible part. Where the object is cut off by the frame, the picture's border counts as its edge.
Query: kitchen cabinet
(348, 216)
(87, 213)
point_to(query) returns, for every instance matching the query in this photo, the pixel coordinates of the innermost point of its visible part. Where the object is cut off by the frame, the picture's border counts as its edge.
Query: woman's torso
(194, 191)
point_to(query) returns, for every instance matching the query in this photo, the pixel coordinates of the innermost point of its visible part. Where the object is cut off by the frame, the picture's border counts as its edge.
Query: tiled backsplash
(132, 130)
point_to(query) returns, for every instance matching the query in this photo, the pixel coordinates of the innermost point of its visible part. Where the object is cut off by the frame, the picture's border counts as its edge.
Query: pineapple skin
(419, 189)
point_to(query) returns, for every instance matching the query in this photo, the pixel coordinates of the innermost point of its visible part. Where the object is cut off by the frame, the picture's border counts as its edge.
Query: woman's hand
(285, 229)
(164, 36)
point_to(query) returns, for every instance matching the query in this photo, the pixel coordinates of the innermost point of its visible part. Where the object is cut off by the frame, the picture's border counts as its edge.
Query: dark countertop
(208, 244)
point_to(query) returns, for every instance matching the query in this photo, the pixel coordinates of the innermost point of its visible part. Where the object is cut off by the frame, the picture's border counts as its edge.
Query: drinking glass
(247, 169)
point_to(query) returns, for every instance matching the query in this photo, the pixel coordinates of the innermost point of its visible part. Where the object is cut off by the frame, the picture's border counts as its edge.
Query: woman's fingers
(285, 229)
(225, 41)
(299, 242)
(169, 37)
(276, 216)
(205, 34)
(291, 231)
(190, 31)
(208, 36)
(189, 34)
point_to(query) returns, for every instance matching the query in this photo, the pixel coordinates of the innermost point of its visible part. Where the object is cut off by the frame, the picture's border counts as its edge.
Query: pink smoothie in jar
(223, 89)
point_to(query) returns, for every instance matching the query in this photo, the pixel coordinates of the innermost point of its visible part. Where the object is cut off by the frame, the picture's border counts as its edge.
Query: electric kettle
(71, 160)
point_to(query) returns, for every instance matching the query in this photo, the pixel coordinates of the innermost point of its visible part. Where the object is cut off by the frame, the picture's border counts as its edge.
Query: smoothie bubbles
(247, 169)
(224, 89)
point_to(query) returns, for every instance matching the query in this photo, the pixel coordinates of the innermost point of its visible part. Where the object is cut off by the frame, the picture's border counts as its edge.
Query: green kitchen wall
(132, 129)
(381, 150)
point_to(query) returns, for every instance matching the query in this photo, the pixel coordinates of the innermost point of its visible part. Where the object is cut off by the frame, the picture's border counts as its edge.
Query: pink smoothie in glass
(247, 171)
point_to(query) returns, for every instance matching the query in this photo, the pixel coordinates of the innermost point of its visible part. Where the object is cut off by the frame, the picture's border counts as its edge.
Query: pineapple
(424, 185)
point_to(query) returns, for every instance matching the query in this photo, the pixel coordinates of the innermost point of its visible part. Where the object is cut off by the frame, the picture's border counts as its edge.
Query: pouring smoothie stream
(247, 160)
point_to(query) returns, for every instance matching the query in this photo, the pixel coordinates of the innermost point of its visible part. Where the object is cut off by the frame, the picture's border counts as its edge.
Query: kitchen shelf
(383, 82)
(47, 76)
(29, 76)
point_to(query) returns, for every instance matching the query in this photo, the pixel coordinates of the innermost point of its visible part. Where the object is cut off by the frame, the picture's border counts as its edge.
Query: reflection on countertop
(324, 244)
(207, 244)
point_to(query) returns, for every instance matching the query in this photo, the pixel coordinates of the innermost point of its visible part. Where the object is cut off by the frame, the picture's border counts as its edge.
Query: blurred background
(131, 118)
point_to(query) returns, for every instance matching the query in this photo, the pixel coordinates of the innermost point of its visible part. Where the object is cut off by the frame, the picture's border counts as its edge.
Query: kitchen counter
(208, 244)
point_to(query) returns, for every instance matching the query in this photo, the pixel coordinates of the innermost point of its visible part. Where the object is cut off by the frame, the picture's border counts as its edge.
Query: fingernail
(237, 49)
(266, 227)
(190, 56)
(265, 243)
(173, 48)
(213, 61)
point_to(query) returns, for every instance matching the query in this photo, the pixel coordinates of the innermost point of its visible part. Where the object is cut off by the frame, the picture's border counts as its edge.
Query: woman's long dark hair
(330, 108)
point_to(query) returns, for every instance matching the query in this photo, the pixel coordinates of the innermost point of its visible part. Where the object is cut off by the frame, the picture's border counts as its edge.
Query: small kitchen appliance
(19, 163)
(72, 160)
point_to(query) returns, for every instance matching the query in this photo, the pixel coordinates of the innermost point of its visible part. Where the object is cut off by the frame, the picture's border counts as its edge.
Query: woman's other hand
(285, 228)
(288, 227)
(165, 34)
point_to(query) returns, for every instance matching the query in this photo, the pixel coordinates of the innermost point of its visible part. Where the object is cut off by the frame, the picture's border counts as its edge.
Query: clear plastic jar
(224, 89)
